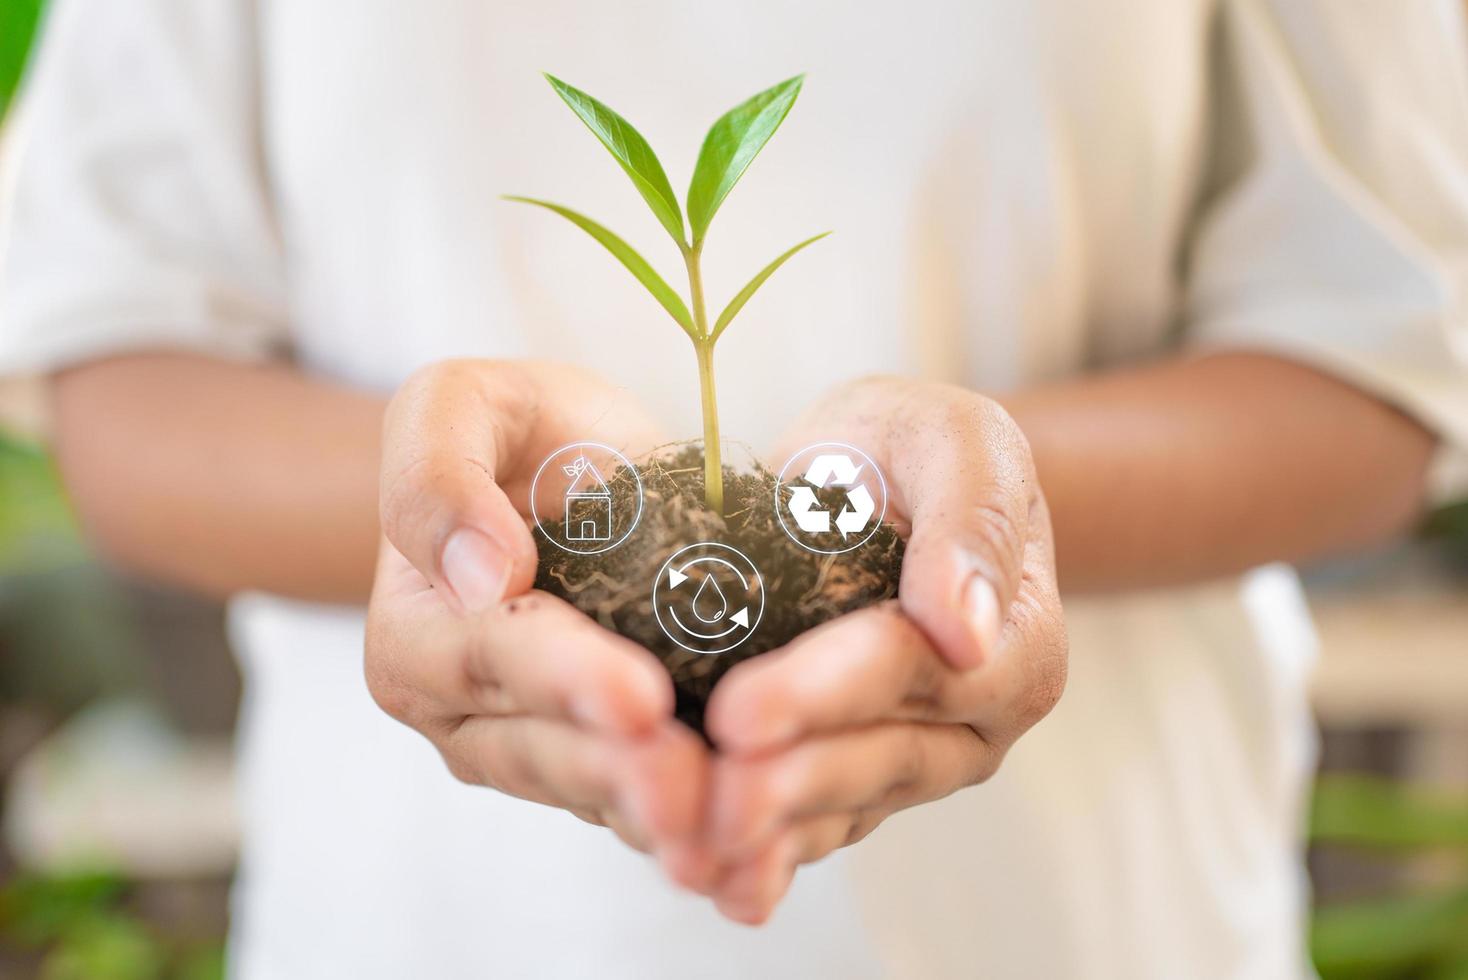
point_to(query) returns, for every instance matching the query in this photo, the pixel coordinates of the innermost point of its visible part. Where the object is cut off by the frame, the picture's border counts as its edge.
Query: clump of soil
(802, 589)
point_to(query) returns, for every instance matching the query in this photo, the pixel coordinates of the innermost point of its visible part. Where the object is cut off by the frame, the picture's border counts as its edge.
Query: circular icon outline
(880, 514)
(636, 477)
(657, 584)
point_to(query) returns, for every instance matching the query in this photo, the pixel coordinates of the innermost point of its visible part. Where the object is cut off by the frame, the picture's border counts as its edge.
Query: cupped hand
(517, 689)
(902, 703)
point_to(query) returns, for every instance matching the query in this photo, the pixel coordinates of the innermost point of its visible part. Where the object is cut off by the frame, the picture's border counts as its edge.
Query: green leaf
(628, 256)
(18, 22)
(731, 146)
(630, 150)
(737, 303)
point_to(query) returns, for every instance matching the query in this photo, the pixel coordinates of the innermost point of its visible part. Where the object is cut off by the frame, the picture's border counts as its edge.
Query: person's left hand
(907, 701)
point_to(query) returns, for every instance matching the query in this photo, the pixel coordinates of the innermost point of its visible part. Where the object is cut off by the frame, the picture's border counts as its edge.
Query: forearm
(221, 477)
(1189, 469)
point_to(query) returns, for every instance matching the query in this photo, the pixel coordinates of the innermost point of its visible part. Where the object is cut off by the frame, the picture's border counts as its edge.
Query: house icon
(588, 503)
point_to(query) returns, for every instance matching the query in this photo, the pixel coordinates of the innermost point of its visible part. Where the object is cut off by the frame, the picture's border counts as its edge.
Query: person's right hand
(518, 690)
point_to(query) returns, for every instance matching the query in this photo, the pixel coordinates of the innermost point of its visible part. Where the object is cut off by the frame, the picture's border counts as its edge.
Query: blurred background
(117, 832)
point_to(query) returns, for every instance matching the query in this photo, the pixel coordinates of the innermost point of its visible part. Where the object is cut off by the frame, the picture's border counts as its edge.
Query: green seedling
(730, 146)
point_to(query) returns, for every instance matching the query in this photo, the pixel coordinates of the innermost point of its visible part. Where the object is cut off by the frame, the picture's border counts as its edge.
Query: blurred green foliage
(80, 928)
(1411, 936)
(67, 633)
(1450, 523)
(18, 20)
(37, 532)
(67, 637)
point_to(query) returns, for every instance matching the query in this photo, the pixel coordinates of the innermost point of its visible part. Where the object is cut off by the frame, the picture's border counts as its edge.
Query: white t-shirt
(1020, 191)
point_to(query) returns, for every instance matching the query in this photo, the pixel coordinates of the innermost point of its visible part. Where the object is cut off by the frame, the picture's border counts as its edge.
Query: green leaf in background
(731, 146)
(628, 256)
(18, 20)
(737, 303)
(631, 151)
(1366, 811)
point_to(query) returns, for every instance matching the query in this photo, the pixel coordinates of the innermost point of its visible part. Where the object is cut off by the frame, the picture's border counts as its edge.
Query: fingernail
(475, 568)
(981, 607)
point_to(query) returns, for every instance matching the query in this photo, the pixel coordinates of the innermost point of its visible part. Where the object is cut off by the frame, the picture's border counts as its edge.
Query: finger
(1027, 678)
(960, 470)
(816, 837)
(651, 790)
(626, 832)
(866, 666)
(875, 665)
(447, 433)
(536, 759)
(670, 778)
(691, 864)
(968, 484)
(665, 796)
(535, 654)
(750, 891)
(881, 768)
(549, 658)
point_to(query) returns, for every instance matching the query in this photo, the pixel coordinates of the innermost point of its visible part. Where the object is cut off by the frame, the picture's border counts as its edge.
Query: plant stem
(713, 469)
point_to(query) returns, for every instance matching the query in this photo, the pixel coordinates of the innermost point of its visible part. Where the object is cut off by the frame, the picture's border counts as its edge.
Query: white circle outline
(780, 482)
(662, 571)
(636, 476)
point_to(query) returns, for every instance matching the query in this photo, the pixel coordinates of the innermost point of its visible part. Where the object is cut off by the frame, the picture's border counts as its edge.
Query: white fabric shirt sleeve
(138, 215)
(1337, 233)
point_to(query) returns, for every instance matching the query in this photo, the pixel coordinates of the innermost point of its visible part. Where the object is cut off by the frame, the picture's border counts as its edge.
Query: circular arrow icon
(820, 467)
(708, 597)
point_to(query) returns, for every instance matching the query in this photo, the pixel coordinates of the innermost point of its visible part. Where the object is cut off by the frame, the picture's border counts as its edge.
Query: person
(1183, 279)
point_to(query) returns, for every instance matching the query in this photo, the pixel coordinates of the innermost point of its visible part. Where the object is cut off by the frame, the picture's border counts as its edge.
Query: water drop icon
(709, 598)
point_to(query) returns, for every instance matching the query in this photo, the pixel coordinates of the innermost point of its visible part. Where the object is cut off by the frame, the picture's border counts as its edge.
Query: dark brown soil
(802, 588)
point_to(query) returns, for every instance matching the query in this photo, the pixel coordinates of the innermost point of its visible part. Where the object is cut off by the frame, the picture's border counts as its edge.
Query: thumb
(969, 485)
(447, 433)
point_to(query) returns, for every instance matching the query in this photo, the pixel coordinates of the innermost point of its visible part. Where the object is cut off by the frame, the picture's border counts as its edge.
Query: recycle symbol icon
(836, 470)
